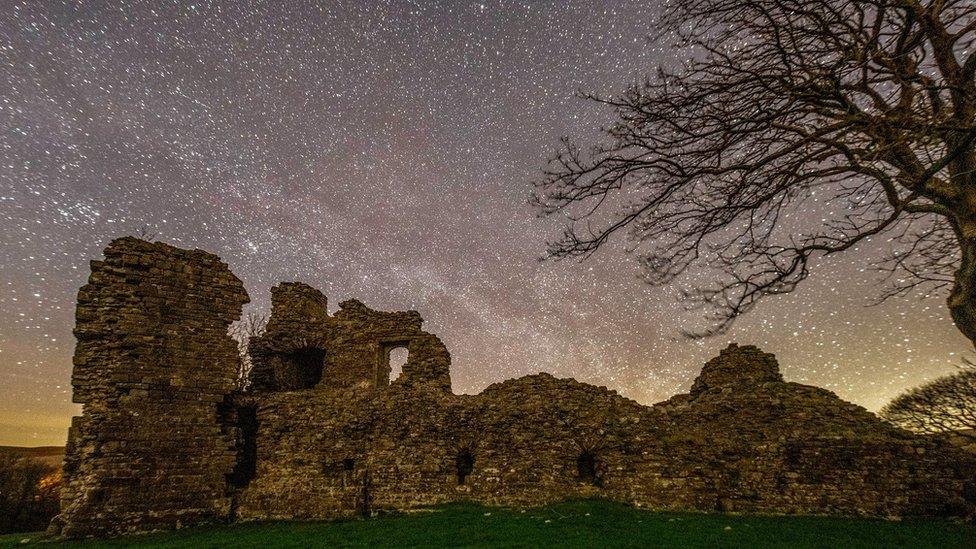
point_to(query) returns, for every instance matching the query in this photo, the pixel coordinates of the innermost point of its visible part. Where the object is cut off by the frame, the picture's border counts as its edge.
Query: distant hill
(51, 455)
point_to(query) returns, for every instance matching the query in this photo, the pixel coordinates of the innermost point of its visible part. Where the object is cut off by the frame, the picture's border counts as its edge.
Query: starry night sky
(378, 150)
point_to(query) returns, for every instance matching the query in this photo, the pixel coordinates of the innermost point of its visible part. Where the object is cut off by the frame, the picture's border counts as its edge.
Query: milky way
(383, 151)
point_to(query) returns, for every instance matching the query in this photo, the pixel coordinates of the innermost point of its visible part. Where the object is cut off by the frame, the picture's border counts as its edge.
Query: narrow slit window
(586, 468)
(464, 464)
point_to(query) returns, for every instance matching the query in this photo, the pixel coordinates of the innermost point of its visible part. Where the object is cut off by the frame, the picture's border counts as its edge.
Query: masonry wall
(347, 350)
(768, 445)
(743, 440)
(152, 363)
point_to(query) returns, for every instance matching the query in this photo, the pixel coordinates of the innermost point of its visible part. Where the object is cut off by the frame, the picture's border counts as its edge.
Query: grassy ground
(576, 524)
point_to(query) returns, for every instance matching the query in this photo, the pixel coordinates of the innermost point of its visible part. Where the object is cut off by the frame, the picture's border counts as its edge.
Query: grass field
(576, 524)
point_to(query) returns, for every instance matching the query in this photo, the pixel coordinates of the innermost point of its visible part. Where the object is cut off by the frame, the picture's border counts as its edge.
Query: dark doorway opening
(464, 465)
(586, 469)
(245, 466)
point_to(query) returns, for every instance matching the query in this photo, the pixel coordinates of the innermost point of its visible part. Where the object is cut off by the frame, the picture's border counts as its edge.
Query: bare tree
(251, 325)
(947, 404)
(797, 130)
(145, 233)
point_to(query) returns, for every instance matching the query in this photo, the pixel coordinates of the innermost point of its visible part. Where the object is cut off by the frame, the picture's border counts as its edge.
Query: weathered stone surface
(323, 432)
(791, 448)
(153, 361)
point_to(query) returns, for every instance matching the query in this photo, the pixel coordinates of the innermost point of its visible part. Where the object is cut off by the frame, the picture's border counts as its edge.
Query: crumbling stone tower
(152, 363)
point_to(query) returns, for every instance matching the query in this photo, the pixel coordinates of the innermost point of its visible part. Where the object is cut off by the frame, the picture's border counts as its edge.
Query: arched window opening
(586, 469)
(398, 357)
(464, 464)
(302, 368)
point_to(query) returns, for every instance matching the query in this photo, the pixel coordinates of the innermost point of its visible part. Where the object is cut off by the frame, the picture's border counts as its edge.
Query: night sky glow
(377, 150)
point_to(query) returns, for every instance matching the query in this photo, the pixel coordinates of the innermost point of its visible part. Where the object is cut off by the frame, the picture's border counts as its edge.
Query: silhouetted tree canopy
(796, 130)
(947, 404)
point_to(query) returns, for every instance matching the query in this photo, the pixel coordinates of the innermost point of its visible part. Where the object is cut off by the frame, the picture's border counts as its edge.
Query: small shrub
(29, 493)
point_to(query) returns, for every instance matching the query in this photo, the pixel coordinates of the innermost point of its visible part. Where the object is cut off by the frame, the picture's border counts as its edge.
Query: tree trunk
(962, 298)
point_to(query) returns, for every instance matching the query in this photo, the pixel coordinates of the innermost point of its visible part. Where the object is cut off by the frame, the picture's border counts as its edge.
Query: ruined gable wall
(362, 339)
(349, 349)
(322, 448)
(152, 362)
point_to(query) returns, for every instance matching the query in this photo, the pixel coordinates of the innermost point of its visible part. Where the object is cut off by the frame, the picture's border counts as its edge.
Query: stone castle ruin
(165, 439)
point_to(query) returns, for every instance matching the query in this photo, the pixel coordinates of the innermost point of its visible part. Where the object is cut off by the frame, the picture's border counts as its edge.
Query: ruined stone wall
(767, 445)
(362, 341)
(743, 440)
(152, 363)
(403, 447)
(323, 433)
